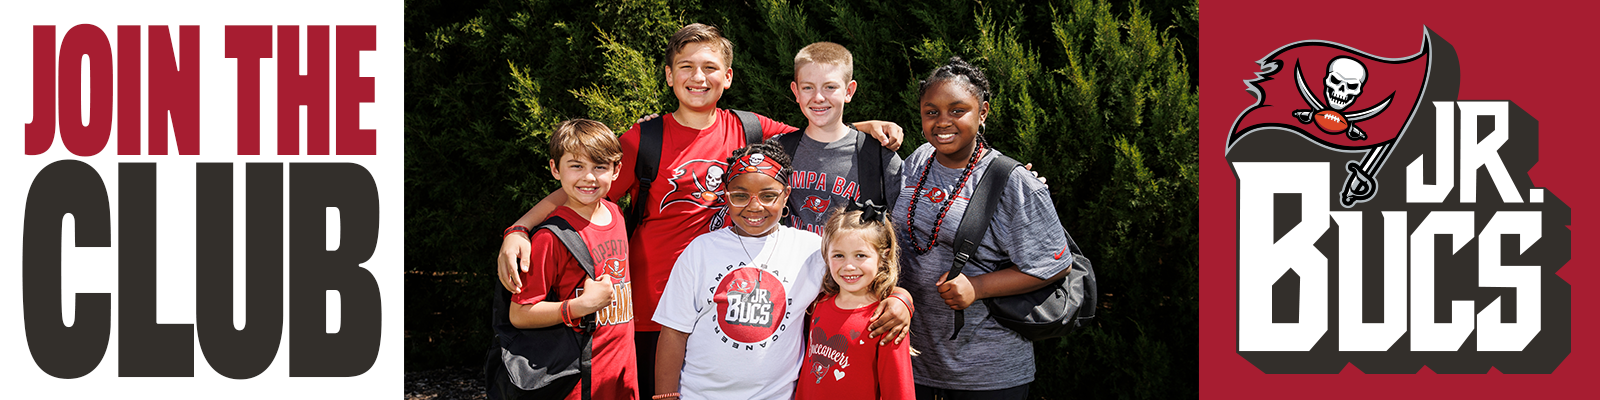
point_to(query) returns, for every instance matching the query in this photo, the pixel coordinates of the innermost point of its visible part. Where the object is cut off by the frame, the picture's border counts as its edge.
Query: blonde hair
(585, 137)
(825, 53)
(699, 33)
(877, 233)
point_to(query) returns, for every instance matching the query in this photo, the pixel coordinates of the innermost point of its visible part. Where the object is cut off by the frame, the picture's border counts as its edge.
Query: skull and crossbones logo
(1345, 81)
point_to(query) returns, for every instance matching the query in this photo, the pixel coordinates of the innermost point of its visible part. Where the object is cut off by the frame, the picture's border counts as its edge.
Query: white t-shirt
(744, 315)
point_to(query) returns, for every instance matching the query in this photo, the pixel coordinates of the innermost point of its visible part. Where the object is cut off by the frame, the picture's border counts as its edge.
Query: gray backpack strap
(975, 221)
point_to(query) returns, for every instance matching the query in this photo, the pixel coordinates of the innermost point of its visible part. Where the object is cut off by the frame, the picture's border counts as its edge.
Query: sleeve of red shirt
(770, 128)
(894, 372)
(549, 257)
(630, 154)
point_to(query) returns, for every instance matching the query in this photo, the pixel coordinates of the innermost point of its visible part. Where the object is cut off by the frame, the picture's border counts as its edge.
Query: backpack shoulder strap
(574, 243)
(572, 240)
(975, 221)
(790, 142)
(645, 166)
(752, 126)
(869, 168)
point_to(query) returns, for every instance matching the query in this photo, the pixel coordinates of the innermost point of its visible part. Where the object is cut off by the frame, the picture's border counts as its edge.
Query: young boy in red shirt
(585, 157)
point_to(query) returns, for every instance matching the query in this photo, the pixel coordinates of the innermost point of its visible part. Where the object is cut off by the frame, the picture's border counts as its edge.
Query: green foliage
(1100, 96)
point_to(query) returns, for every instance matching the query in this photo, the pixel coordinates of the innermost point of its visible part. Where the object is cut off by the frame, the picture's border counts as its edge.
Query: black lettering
(61, 188)
(145, 348)
(239, 353)
(313, 187)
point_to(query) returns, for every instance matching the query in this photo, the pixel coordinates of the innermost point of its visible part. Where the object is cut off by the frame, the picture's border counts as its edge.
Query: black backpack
(1052, 311)
(869, 163)
(649, 159)
(542, 363)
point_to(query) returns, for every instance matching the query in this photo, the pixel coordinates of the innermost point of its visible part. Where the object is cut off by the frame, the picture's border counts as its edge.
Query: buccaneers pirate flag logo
(1453, 267)
(1341, 98)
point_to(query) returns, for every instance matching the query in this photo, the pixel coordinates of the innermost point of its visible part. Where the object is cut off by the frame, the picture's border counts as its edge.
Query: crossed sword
(1360, 186)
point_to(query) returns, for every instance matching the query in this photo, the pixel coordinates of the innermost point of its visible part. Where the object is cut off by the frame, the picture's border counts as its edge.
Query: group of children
(731, 303)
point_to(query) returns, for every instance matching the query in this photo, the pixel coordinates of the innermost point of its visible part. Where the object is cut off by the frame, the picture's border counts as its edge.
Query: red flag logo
(1341, 98)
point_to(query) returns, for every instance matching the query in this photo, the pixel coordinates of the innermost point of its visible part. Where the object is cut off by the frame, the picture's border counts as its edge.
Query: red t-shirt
(842, 363)
(685, 200)
(613, 370)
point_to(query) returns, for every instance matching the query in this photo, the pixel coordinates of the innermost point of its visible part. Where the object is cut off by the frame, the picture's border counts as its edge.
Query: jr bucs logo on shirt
(751, 305)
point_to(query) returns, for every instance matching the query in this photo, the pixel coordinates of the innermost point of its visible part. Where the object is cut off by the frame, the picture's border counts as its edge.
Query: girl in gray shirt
(985, 360)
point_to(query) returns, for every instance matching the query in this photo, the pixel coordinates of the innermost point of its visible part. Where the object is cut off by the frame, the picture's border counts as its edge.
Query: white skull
(713, 177)
(1346, 78)
(757, 158)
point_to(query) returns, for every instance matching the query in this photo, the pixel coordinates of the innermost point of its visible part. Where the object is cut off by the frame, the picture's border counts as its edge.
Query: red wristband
(516, 228)
(909, 308)
(566, 316)
(672, 395)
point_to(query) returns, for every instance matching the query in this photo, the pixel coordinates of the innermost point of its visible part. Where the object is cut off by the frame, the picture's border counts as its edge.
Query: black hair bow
(869, 212)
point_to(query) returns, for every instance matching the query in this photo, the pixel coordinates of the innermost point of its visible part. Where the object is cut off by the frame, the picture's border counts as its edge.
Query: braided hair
(772, 150)
(957, 70)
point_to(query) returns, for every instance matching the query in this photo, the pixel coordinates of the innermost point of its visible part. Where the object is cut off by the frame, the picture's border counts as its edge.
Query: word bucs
(1455, 278)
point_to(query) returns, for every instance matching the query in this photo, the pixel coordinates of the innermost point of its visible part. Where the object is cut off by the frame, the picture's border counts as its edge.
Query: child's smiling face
(698, 75)
(951, 114)
(821, 90)
(762, 198)
(853, 262)
(584, 181)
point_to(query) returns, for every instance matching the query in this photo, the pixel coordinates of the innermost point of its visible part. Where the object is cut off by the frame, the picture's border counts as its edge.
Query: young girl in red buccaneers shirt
(863, 268)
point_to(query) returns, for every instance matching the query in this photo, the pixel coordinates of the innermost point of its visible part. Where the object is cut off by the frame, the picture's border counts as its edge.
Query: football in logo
(935, 195)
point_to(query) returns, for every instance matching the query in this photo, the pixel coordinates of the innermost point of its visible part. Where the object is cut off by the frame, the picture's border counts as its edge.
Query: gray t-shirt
(826, 178)
(1024, 231)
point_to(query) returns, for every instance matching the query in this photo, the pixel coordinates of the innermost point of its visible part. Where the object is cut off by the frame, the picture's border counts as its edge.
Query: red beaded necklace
(972, 163)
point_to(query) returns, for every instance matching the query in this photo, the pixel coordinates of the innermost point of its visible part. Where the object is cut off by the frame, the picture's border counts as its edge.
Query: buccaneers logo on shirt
(615, 267)
(816, 204)
(829, 354)
(697, 183)
(750, 304)
(935, 195)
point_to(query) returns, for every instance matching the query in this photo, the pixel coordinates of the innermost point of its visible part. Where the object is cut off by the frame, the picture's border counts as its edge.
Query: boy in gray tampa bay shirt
(1024, 231)
(826, 172)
